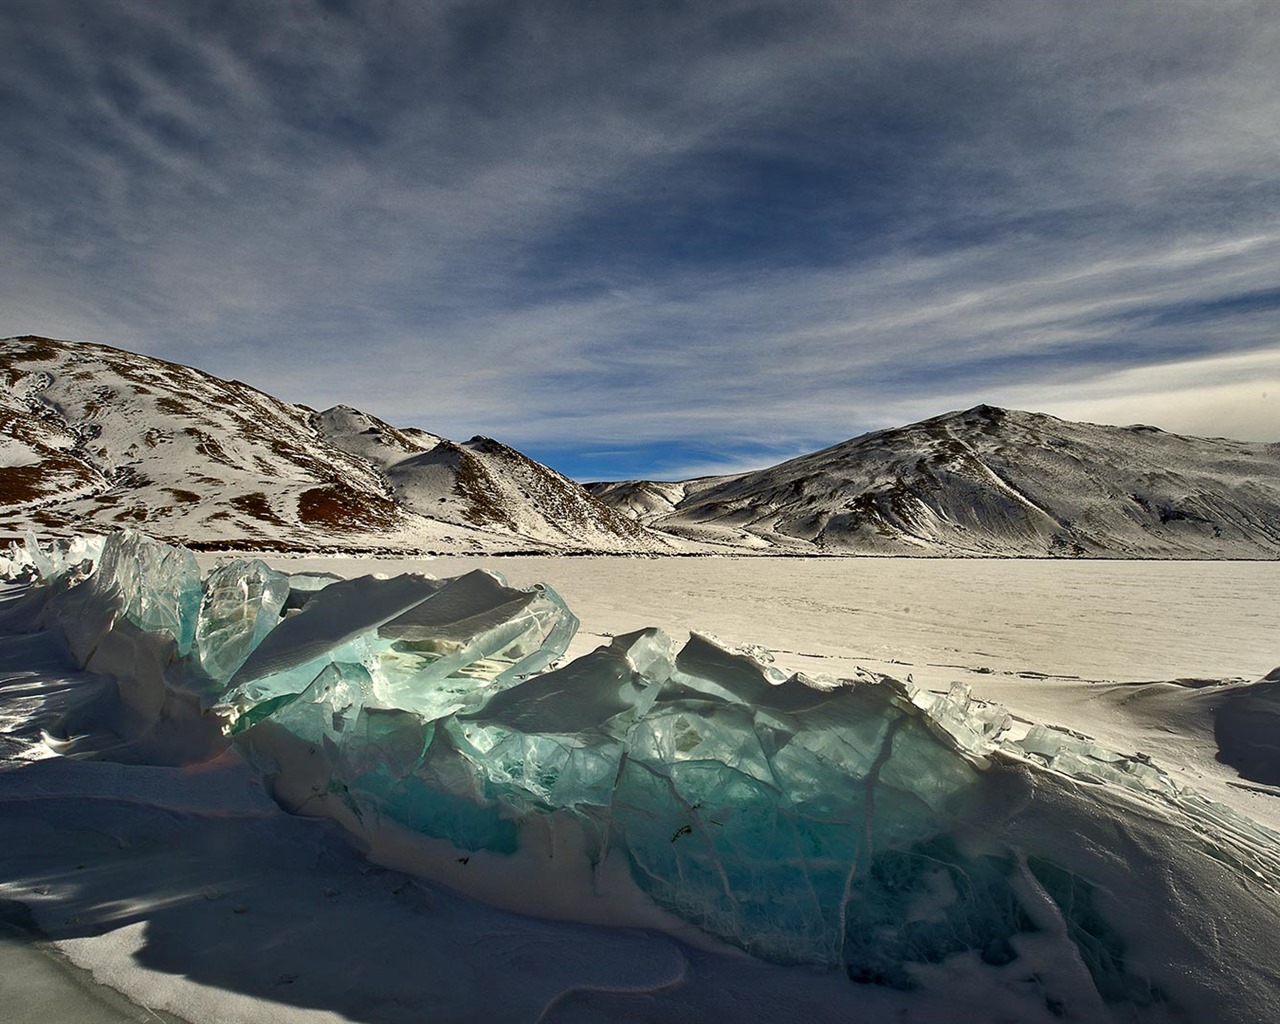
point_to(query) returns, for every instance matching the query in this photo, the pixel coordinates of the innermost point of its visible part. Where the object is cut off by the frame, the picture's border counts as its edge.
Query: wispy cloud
(696, 235)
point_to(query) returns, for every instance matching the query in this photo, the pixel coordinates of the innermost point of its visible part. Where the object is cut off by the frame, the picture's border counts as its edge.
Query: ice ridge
(857, 824)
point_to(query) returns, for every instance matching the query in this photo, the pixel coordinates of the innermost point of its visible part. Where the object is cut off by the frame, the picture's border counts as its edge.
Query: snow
(103, 438)
(987, 481)
(189, 889)
(121, 439)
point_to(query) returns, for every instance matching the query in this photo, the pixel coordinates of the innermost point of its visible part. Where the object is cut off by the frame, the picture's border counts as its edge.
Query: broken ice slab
(1082, 758)
(769, 863)
(325, 711)
(750, 802)
(557, 738)
(241, 604)
(465, 607)
(976, 726)
(708, 668)
(335, 626)
(541, 770)
(472, 638)
(431, 647)
(159, 584)
(154, 585)
(52, 560)
(1049, 742)
(338, 614)
(723, 849)
(587, 693)
(393, 763)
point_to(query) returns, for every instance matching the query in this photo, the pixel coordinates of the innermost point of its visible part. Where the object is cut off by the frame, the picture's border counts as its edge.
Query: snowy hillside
(989, 481)
(481, 482)
(95, 437)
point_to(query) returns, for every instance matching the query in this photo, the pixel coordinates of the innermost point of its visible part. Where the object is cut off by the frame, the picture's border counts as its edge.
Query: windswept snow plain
(1074, 880)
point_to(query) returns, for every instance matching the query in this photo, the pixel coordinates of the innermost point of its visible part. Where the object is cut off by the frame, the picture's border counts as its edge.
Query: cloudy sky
(666, 238)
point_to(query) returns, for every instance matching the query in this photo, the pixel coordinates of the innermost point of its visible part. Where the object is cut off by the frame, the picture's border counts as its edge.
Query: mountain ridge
(988, 481)
(94, 437)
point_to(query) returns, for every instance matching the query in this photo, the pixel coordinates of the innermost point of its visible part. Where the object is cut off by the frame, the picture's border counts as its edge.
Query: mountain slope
(92, 437)
(989, 481)
(481, 482)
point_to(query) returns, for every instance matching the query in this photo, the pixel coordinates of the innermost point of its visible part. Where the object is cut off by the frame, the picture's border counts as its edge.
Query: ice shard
(337, 625)
(54, 559)
(431, 647)
(472, 638)
(556, 740)
(755, 807)
(159, 584)
(153, 585)
(241, 604)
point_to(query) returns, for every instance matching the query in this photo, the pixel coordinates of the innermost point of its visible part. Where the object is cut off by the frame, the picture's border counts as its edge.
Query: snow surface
(191, 891)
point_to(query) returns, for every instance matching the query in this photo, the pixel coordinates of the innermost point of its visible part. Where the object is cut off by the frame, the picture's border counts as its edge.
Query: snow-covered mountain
(484, 483)
(93, 437)
(988, 481)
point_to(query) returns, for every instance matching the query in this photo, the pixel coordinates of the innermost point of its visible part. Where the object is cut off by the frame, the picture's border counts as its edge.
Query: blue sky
(659, 239)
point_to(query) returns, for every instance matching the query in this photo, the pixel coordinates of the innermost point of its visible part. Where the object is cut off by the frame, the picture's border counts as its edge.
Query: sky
(659, 239)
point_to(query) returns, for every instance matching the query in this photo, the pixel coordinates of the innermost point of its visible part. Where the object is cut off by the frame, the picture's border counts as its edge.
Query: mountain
(484, 483)
(987, 481)
(93, 437)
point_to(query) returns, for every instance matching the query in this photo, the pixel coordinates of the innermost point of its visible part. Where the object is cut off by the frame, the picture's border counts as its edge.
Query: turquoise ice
(843, 824)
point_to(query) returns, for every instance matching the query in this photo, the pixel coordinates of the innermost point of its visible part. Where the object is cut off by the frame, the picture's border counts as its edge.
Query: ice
(160, 584)
(472, 638)
(154, 585)
(976, 727)
(760, 821)
(557, 739)
(336, 625)
(52, 560)
(862, 825)
(335, 616)
(1082, 758)
(619, 679)
(241, 604)
(431, 647)
(303, 586)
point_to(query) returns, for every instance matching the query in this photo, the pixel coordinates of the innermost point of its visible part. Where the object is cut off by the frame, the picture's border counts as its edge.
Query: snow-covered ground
(188, 889)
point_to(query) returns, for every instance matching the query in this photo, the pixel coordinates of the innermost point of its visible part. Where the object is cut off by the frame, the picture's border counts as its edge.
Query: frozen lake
(1095, 620)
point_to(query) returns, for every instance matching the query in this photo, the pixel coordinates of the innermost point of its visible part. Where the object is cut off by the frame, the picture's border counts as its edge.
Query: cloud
(682, 233)
(1216, 396)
